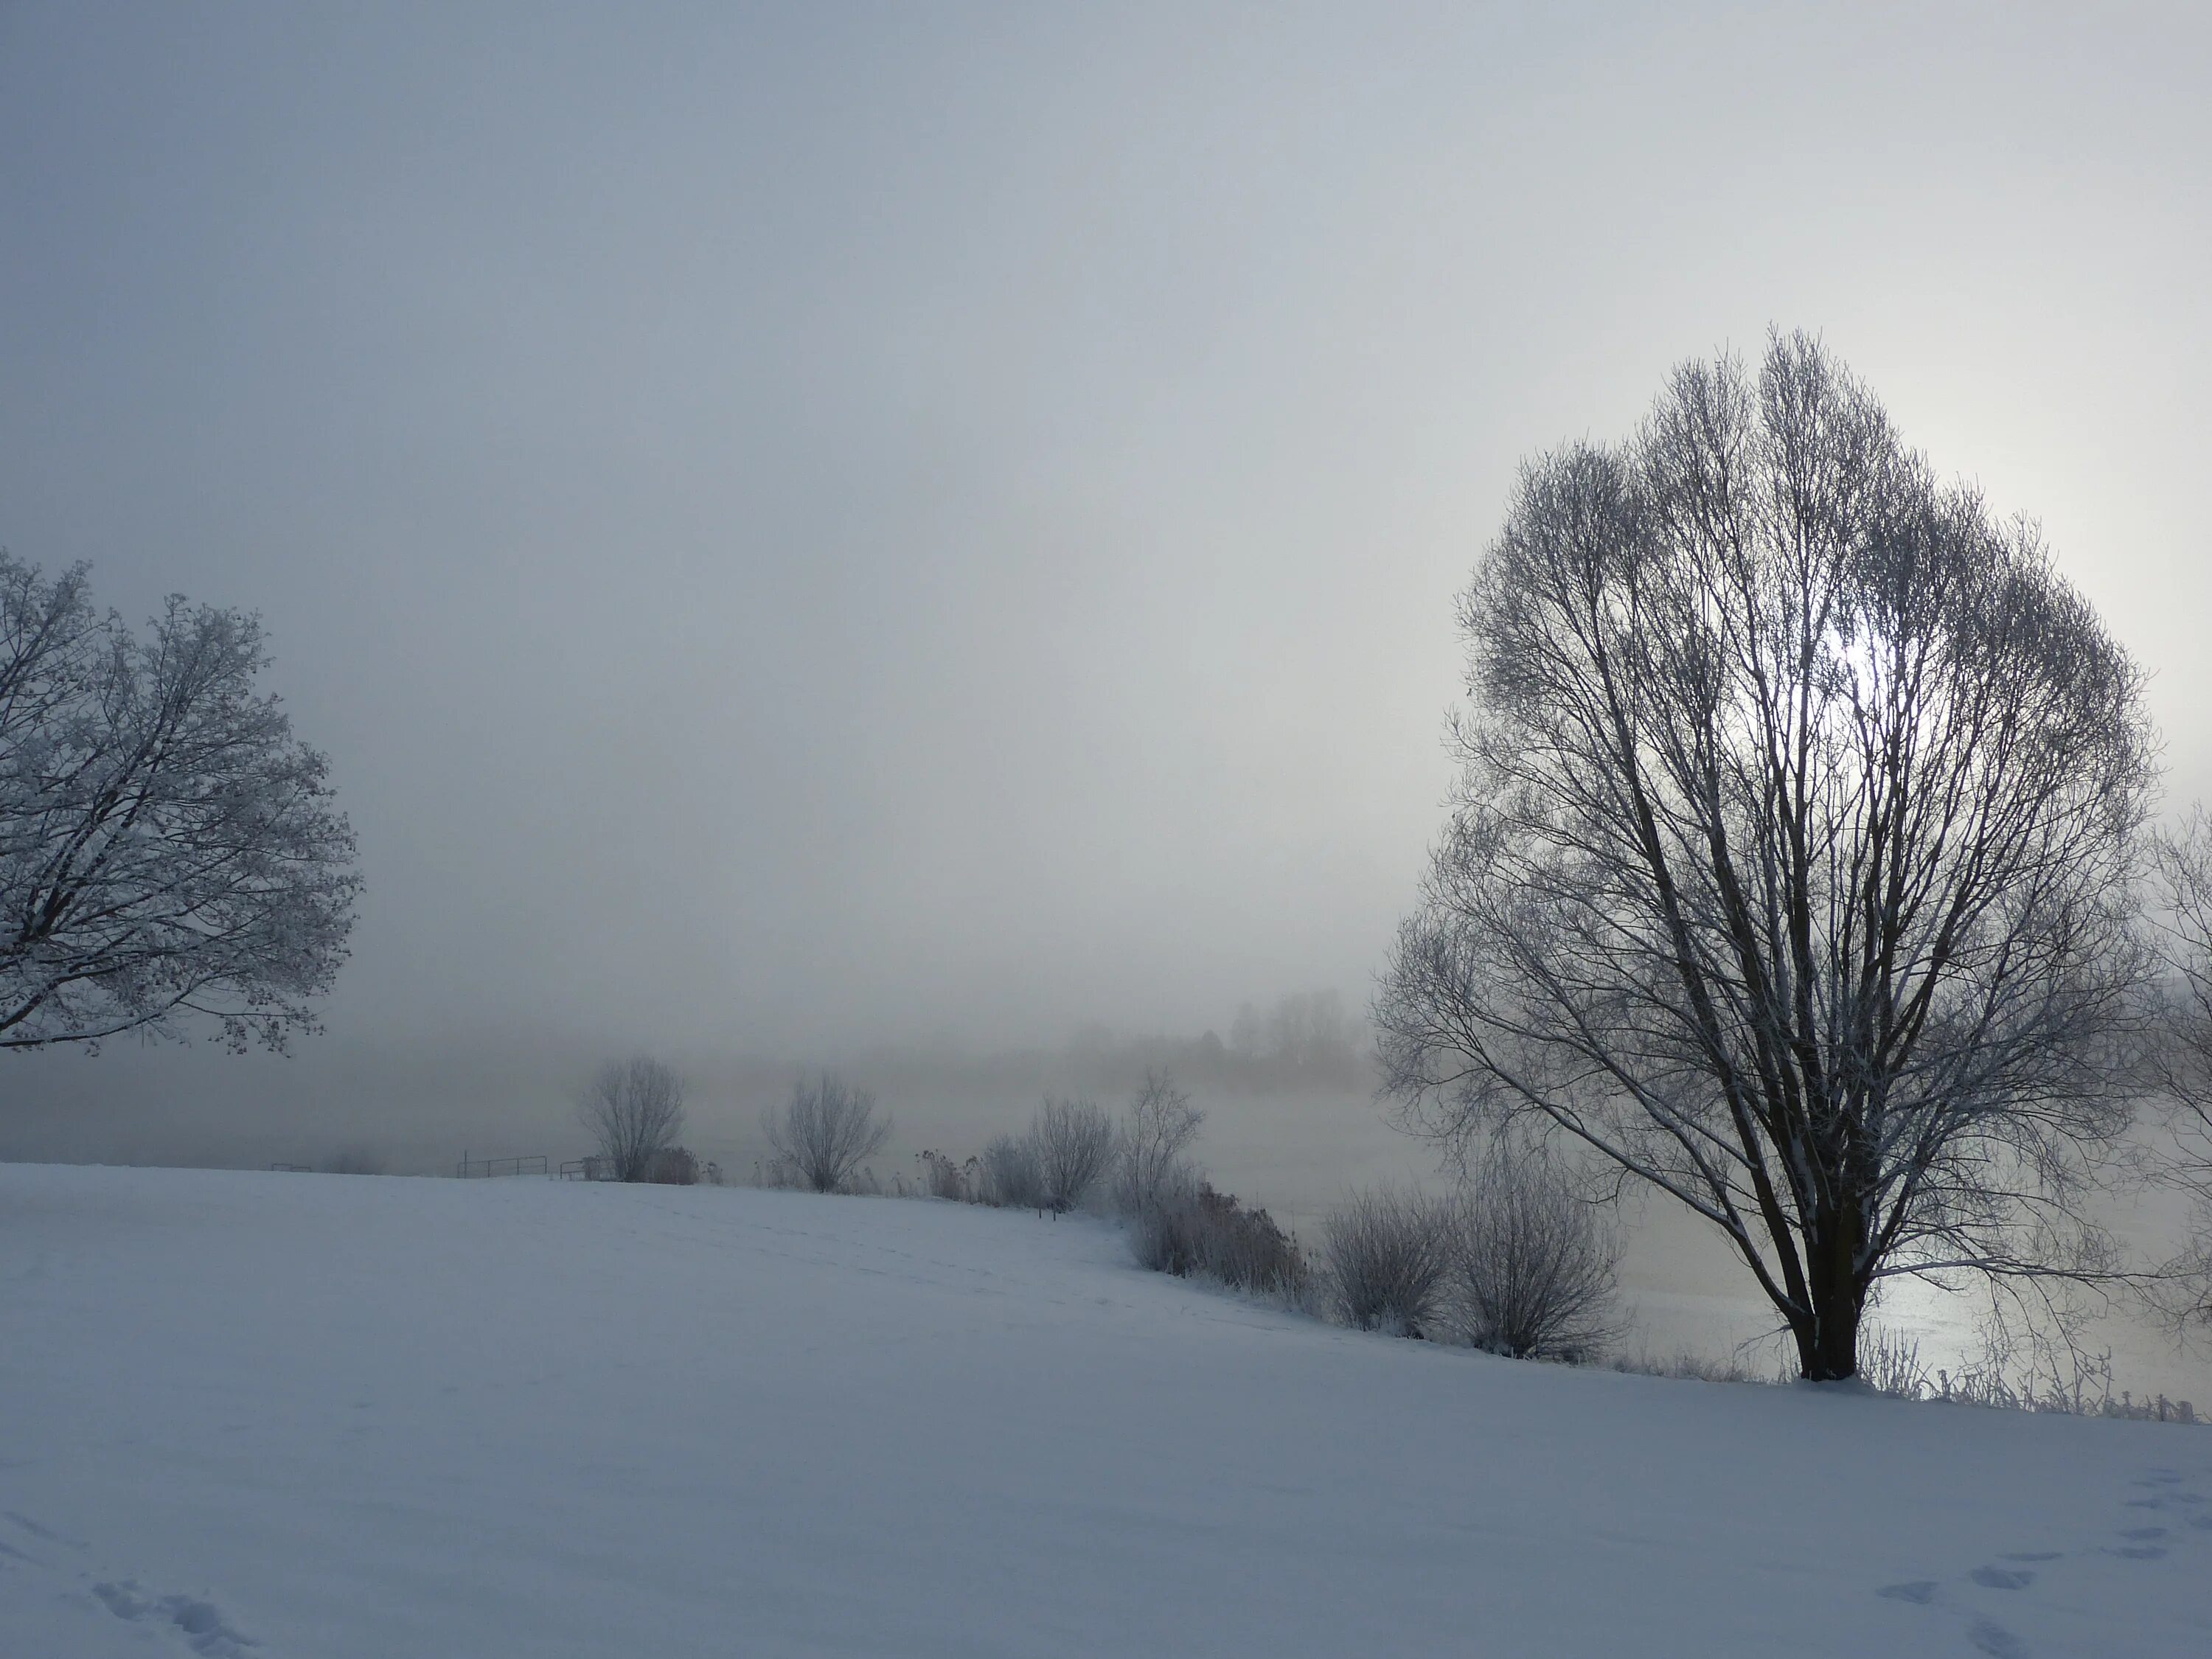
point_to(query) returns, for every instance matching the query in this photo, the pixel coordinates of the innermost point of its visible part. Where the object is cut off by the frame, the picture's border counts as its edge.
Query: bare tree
(634, 1110)
(1074, 1145)
(1795, 865)
(1159, 1126)
(1534, 1262)
(167, 847)
(2182, 1060)
(825, 1131)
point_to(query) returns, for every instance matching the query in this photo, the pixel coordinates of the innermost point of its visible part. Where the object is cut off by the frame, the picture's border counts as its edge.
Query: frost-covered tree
(1794, 870)
(167, 849)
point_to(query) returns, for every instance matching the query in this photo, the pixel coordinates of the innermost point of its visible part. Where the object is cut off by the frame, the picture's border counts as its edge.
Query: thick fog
(826, 531)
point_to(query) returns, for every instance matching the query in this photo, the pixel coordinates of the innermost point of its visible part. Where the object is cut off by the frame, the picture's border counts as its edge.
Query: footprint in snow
(200, 1623)
(1994, 1639)
(1918, 1591)
(2002, 1577)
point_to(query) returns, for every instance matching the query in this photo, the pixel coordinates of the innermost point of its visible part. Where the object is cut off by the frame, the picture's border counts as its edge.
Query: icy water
(1684, 1291)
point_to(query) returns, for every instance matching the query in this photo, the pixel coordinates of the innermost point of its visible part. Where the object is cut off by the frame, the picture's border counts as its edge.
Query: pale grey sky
(803, 525)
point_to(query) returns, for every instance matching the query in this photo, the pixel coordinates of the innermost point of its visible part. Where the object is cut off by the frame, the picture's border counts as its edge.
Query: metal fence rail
(478, 1167)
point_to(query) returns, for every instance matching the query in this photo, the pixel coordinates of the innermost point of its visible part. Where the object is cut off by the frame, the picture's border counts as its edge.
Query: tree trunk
(1828, 1339)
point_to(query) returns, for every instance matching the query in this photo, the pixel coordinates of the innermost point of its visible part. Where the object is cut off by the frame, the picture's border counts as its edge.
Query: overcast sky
(800, 525)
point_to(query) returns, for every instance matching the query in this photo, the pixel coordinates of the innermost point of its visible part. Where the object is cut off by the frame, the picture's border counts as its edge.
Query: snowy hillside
(299, 1415)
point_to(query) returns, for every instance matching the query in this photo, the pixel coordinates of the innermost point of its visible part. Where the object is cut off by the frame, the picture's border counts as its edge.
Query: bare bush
(1204, 1233)
(1160, 1124)
(1536, 1261)
(1012, 1178)
(1074, 1144)
(824, 1131)
(354, 1160)
(634, 1111)
(673, 1166)
(1389, 1257)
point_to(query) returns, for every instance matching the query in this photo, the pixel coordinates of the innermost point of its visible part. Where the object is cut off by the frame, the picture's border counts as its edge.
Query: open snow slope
(295, 1415)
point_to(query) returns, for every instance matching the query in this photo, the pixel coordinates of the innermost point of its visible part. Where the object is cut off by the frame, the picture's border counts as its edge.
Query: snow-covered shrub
(1388, 1256)
(1012, 1178)
(1534, 1262)
(823, 1134)
(1204, 1233)
(941, 1177)
(1074, 1145)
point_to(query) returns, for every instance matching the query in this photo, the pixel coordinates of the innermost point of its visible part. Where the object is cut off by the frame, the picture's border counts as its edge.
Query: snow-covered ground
(295, 1415)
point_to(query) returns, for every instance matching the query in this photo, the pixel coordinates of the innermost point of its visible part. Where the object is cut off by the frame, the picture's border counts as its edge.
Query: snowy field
(294, 1415)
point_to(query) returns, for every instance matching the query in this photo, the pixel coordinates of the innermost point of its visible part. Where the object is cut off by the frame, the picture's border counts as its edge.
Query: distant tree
(1796, 861)
(167, 849)
(634, 1110)
(1074, 1144)
(825, 1132)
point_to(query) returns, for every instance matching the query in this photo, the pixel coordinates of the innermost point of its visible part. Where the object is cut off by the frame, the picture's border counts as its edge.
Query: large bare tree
(634, 1110)
(825, 1132)
(167, 849)
(1795, 869)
